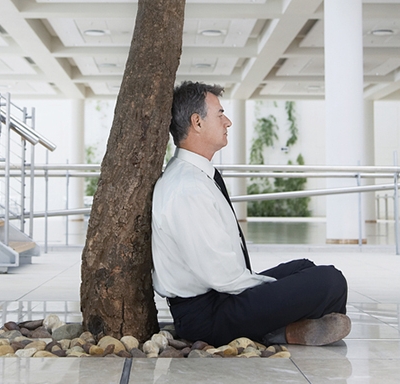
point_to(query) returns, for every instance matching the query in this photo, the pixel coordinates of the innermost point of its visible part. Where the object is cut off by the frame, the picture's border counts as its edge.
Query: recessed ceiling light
(108, 65)
(382, 32)
(95, 32)
(202, 65)
(211, 32)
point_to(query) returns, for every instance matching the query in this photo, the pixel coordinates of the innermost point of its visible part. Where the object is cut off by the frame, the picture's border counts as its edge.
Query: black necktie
(220, 182)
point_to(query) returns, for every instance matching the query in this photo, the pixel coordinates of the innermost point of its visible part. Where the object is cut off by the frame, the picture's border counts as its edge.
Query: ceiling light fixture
(211, 32)
(382, 32)
(202, 65)
(95, 32)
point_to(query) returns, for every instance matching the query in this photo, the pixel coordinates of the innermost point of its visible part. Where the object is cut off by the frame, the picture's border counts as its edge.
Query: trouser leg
(310, 293)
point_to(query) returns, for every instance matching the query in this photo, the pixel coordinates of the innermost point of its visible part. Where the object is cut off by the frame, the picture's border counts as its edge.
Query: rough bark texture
(116, 291)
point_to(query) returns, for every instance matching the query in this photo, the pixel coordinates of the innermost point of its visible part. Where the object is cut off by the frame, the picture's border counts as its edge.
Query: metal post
(22, 197)
(46, 208)
(359, 212)
(7, 170)
(66, 205)
(32, 180)
(395, 204)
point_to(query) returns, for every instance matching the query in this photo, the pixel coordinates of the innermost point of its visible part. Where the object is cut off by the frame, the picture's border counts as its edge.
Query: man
(200, 258)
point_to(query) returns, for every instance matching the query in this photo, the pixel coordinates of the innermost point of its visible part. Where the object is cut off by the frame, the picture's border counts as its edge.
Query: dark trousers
(302, 291)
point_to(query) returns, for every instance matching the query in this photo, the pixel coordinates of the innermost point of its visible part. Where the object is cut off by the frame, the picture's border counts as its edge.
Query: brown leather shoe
(326, 330)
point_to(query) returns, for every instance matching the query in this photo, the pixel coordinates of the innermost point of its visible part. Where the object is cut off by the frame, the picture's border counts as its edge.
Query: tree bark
(117, 297)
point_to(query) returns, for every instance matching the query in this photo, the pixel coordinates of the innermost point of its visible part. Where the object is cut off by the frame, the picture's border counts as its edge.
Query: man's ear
(195, 119)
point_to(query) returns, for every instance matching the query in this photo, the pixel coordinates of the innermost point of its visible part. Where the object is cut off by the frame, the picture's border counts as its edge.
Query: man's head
(198, 119)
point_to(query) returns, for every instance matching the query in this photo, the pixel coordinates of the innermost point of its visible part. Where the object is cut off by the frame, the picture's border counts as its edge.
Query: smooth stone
(160, 340)
(109, 350)
(185, 351)
(38, 344)
(95, 350)
(5, 349)
(50, 345)
(4, 342)
(31, 324)
(199, 344)
(67, 331)
(44, 354)
(249, 354)
(65, 343)
(228, 350)
(25, 332)
(130, 342)
(149, 347)
(11, 326)
(177, 344)
(282, 354)
(52, 322)
(77, 354)
(40, 333)
(266, 353)
(152, 355)
(170, 352)
(77, 341)
(242, 342)
(27, 352)
(250, 349)
(59, 353)
(136, 352)
(17, 345)
(10, 335)
(109, 340)
(125, 354)
(260, 347)
(198, 353)
(88, 337)
(167, 334)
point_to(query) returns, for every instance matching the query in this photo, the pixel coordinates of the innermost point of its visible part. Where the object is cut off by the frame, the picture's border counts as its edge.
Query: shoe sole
(316, 332)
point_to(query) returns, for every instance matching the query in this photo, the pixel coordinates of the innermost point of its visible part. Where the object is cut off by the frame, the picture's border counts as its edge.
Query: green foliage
(265, 130)
(90, 182)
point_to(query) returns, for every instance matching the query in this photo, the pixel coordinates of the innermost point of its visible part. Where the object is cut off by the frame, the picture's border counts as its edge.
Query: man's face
(214, 127)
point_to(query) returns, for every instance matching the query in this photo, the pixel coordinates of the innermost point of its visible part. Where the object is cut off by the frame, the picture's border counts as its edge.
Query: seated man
(200, 258)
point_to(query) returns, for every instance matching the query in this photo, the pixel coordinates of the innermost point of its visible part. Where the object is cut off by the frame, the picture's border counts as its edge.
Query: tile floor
(370, 354)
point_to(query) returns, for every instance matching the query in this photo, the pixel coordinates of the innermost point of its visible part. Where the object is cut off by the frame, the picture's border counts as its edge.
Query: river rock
(4, 342)
(185, 351)
(40, 333)
(10, 335)
(59, 353)
(88, 337)
(250, 349)
(160, 340)
(199, 345)
(198, 353)
(108, 340)
(124, 353)
(177, 344)
(129, 342)
(26, 352)
(137, 353)
(95, 350)
(167, 334)
(150, 348)
(170, 352)
(11, 326)
(109, 350)
(52, 322)
(242, 342)
(77, 341)
(282, 354)
(266, 353)
(5, 349)
(65, 344)
(38, 344)
(31, 324)
(67, 331)
(17, 345)
(249, 354)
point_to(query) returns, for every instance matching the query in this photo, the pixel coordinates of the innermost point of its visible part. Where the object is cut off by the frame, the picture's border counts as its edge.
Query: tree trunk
(117, 297)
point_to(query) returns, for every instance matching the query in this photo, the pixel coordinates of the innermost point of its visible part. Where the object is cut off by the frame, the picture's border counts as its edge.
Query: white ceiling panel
(256, 48)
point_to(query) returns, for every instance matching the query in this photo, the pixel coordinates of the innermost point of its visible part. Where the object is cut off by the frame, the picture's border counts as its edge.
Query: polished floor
(370, 354)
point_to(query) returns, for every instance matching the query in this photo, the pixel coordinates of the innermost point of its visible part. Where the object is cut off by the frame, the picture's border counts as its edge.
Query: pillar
(344, 113)
(76, 184)
(238, 134)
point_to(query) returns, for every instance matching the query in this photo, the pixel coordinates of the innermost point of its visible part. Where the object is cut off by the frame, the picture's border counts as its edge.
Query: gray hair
(189, 98)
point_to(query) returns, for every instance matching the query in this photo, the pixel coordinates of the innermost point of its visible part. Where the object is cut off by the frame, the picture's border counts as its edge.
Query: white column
(344, 113)
(369, 143)
(76, 156)
(238, 142)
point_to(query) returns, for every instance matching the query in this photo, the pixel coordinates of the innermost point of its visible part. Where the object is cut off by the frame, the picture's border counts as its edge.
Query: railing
(13, 155)
(356, 173)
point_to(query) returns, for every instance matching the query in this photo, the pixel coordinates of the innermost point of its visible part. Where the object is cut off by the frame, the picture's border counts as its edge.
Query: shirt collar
(197, 160)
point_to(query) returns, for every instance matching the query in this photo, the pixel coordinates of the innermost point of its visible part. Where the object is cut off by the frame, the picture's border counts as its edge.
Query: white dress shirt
(195, 237)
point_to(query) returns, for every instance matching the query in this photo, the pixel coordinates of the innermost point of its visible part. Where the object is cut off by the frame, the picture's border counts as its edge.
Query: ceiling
(270, 49)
